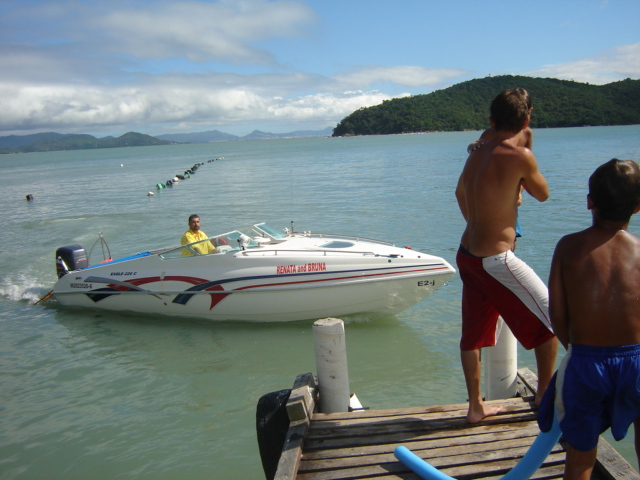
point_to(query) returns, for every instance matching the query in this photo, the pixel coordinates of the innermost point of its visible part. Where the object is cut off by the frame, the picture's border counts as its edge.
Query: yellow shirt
(190, 237)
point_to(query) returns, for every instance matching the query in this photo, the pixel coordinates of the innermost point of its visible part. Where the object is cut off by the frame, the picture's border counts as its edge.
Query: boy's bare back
(595, 287)
(594, 284)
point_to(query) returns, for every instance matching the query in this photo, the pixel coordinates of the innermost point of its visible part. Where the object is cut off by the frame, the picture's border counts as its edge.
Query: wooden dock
(360, 444)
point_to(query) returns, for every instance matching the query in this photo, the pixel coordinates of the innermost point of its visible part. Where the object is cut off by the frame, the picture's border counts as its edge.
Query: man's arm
(462, 203)
(527, 134)
(557, 300)
(532, 180)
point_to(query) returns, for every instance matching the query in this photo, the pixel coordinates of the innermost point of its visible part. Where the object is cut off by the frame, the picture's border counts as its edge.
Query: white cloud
(76, 107)
(410, 76)
(609, 66)
(203, 31)
(329, 107)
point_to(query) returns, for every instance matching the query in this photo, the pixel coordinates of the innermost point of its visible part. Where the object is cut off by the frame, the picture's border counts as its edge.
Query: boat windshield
(274, 233)
(223, 243)
(256, 235)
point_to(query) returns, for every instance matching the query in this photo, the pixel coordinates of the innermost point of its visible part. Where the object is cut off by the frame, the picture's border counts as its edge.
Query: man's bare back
(488, 192)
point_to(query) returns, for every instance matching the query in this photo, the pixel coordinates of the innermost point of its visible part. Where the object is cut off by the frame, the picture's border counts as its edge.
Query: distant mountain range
(51, 141)
(217, 136)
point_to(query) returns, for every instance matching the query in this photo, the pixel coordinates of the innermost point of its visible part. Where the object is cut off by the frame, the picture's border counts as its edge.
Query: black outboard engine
(69, 258)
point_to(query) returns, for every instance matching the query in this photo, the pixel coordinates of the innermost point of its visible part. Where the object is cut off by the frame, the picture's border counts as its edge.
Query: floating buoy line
(182, 176)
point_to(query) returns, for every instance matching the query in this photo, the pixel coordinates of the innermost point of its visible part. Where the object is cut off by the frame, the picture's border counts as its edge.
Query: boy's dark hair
(614, 189)
(525, 95)
(191, 217)
(510, 109)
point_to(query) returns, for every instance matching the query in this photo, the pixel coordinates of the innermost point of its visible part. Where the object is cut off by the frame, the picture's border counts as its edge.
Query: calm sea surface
(88, 394)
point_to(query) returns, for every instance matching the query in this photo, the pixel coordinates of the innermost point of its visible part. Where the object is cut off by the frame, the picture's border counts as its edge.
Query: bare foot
(476, 414)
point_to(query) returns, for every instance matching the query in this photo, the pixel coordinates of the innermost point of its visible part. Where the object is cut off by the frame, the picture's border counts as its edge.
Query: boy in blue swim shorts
(594, 307)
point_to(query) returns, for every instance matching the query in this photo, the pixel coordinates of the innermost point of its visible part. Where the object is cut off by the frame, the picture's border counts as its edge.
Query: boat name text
(116, 274)
(309, 267)
(426, 283)
(81, 285)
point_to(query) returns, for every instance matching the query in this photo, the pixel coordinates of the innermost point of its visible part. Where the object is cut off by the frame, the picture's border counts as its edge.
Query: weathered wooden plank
(457, 417)
(460, 409)
(343, 438)
(356, 473)
(418, 423)
(398, 470)
(292, 448)
(611, 465)
(544, 472)
(508, 449)
(301, 403)
(398, 437)
(511, 404)
(499, 467)
(434, 440)
(529, 381)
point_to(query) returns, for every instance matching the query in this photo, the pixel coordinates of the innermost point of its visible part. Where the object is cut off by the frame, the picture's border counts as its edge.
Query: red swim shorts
(501, 285)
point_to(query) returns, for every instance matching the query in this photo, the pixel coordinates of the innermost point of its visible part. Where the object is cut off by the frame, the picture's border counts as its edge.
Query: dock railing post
(501, 365)
(331, 364)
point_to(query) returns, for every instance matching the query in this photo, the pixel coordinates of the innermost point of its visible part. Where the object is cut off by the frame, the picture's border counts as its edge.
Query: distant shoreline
(55, 142)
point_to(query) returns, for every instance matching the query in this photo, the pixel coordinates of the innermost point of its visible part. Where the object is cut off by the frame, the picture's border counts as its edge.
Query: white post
(501, 365)
(331, 362)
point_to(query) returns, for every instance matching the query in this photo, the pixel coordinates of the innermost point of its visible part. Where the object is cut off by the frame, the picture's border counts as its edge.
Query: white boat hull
(293, 279)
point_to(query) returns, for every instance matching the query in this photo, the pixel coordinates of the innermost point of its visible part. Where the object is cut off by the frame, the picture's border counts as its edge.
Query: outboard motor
(69, 258)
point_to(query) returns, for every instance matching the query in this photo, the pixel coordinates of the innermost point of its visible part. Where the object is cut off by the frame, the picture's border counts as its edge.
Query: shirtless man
(495, 281)
(595, 311)
(525, 139)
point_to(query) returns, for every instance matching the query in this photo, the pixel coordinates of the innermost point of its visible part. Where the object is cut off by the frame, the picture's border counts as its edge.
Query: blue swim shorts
(595, 388)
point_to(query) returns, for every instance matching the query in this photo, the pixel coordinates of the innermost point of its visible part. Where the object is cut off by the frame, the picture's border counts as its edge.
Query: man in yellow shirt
(194, 234)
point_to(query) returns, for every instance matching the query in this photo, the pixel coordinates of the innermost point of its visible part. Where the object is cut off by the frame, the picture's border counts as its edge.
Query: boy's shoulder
(573, 244)
(569, 242)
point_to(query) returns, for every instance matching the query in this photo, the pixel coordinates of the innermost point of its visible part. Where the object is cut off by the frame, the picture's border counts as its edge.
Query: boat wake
(22, 287)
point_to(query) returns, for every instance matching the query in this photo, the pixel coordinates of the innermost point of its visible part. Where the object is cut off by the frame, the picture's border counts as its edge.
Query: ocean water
(90, 394)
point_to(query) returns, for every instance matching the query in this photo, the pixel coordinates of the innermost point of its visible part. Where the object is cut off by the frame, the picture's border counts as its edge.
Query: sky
(167, 66)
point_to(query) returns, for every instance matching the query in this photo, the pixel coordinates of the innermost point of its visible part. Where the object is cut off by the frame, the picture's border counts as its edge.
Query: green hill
(465, 106)
(54, 141)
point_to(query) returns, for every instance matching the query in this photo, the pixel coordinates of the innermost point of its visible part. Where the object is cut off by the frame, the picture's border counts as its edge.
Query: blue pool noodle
(526, 467)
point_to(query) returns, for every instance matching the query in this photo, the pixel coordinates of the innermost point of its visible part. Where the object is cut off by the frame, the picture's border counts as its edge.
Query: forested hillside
(465, 106)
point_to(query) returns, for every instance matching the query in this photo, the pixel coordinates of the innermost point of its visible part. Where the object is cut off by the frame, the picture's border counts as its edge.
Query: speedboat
(257, 274)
